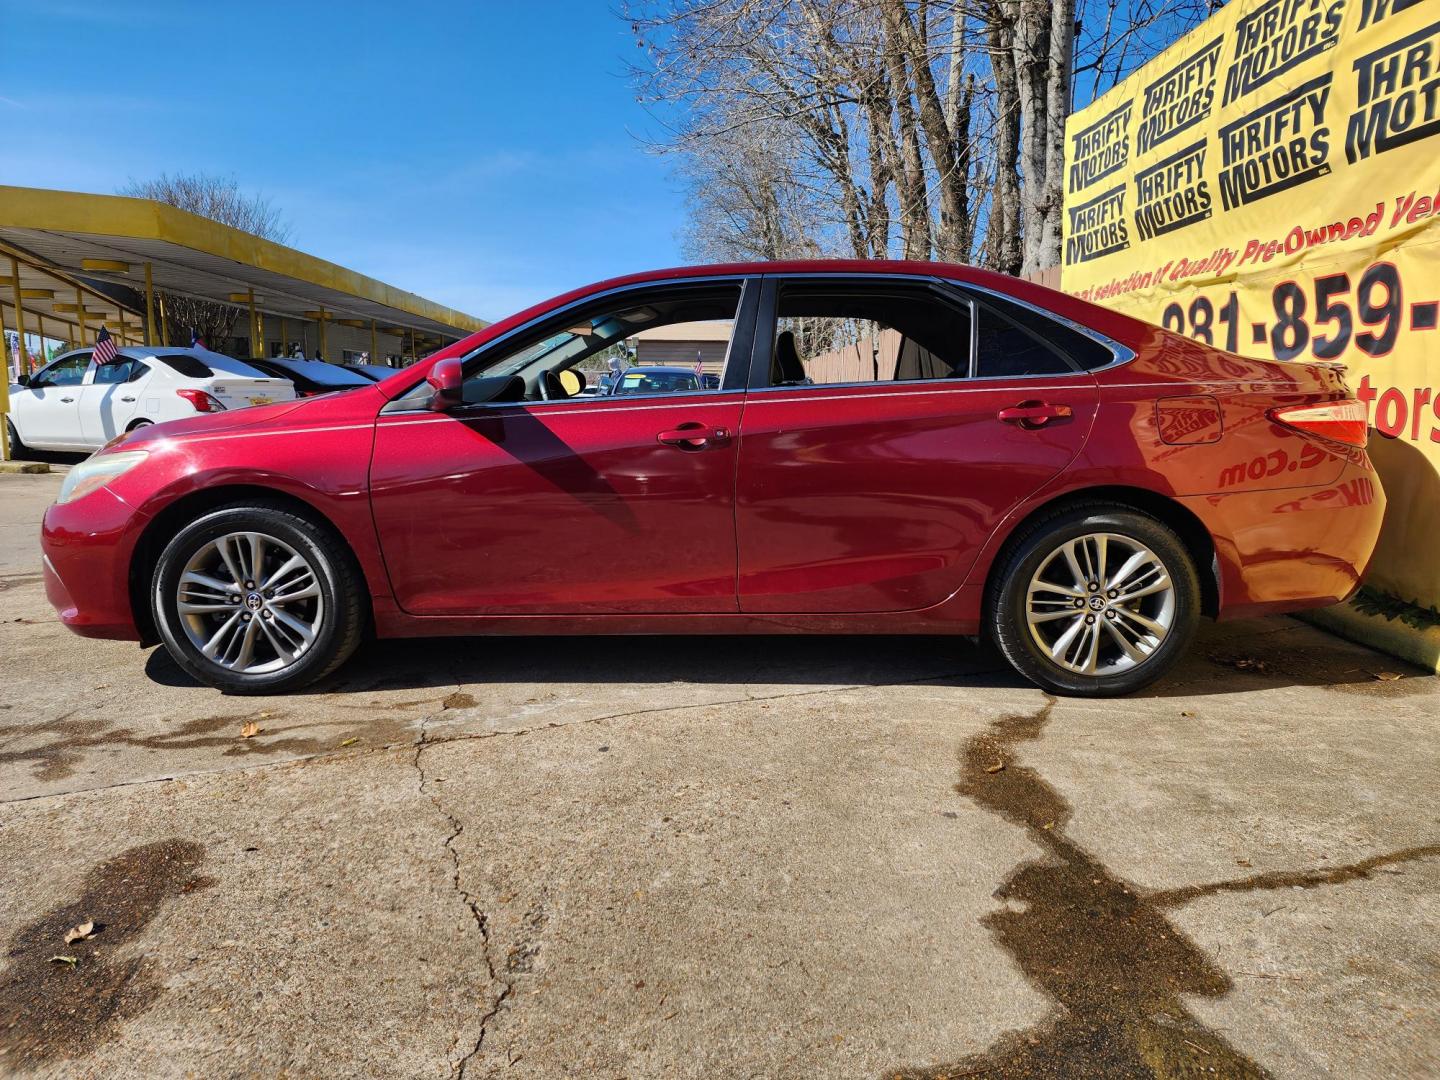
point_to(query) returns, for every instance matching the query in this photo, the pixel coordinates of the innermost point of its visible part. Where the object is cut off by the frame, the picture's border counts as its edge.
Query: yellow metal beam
(110, 266)
(149, 307)
(323, 316)
(22, 357)
(38, 294)
(19, 257)
(4, 395)
(374, 348)
(79, 214)
(249, 297)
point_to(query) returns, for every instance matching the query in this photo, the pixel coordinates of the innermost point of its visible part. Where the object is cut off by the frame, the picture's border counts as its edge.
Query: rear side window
(849, 332)
(185, 364)
(122, 370)
(1013, 341)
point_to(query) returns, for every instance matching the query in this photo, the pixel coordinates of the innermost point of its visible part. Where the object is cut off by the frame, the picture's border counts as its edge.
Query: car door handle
(1033, 414)
(67, 400)
(693, 436)
(127, 399)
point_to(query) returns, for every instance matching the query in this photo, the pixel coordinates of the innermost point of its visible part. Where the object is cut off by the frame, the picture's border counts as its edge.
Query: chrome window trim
(955, 288)
(718, 279)
(1122, 354)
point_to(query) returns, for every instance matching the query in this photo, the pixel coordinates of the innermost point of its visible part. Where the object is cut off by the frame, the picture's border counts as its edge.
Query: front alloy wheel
(258, 599)
(250, 602)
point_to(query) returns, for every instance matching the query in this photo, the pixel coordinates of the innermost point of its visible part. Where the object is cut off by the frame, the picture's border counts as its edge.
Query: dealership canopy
(73, 261)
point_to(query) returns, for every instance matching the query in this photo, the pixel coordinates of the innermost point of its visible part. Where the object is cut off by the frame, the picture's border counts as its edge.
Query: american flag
(104, 352)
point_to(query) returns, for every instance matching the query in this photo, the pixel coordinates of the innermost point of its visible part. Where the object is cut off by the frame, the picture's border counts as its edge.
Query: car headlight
(96, 472)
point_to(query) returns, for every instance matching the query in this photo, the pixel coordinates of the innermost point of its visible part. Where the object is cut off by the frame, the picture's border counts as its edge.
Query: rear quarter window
(184, 364)
(1014, 340)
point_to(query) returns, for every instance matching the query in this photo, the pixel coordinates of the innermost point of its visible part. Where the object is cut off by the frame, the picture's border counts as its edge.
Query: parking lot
(847, 857)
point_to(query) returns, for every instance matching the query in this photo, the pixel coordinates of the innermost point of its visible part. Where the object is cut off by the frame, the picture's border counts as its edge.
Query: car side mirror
(447, 384)
(23, 380)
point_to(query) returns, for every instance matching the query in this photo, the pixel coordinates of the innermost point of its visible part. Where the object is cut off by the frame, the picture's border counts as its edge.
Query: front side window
(666, 340)
(67, 372)
(864, 332)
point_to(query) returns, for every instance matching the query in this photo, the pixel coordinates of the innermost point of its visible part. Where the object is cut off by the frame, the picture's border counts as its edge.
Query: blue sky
(482, 154)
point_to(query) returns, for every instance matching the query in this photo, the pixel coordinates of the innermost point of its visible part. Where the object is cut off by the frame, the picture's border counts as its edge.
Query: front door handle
(1033, 414)
(67, 400)
(693, 436)
(127, 399)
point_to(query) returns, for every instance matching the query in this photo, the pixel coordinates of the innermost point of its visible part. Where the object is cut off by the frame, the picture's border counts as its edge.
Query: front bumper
(87, 547)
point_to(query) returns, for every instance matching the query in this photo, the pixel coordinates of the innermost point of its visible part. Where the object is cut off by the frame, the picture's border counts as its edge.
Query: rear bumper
(87, 546)
(1293, 548)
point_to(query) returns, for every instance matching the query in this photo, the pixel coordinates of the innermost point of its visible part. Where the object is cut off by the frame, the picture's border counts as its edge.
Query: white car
(68, 405)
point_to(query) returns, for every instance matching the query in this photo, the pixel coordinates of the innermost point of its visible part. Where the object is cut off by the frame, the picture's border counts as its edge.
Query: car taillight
(1340, 421)
(202, 401)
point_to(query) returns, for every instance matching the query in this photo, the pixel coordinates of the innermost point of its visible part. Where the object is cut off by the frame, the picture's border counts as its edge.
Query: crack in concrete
(469, 736)
(440, 740)
(482, 921)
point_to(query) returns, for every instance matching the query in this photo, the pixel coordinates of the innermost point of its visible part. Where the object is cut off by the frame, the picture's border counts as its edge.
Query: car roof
(670, 369)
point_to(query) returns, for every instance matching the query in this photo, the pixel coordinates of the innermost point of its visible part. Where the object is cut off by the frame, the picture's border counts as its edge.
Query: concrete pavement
(713, 858)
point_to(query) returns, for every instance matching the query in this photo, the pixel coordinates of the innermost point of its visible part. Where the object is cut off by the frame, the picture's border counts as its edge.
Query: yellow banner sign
(1270, 185)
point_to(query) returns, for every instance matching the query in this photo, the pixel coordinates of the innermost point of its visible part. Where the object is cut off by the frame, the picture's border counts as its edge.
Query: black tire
(1007, 599)
(341, 591)
(18, 450)
(136, 425)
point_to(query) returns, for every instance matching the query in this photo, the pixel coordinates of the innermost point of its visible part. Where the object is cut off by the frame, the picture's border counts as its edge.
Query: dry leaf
(83, 932)
(251, 729)
(64, 960)
(1388, 676)
(996, 767)
(264, 715)
(349, 742)
(1191, 715)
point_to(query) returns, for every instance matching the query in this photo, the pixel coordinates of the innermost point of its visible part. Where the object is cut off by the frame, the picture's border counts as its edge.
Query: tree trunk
(910, 182)
(880, 150)
(1043, 35)
(1003, 240)
(940, 138)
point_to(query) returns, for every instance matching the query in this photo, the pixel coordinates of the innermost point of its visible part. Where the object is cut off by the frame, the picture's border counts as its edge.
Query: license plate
(261, 399)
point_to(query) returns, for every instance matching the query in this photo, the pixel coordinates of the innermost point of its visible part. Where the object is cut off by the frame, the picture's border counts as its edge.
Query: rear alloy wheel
(1096, 601)
(256, 599)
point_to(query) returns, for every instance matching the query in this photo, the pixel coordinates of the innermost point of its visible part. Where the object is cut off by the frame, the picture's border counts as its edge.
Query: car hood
(211, 423)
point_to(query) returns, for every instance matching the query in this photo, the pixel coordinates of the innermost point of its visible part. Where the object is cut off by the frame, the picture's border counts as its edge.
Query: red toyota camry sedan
(891, 448)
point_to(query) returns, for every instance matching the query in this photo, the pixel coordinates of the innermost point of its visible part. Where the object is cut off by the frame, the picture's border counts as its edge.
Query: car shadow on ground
(1225, 658)
(51, 457)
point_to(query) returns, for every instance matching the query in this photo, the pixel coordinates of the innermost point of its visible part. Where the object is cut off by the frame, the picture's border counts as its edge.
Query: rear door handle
(693, 436)
(67, 400)
(1033, 414)
(127, 399)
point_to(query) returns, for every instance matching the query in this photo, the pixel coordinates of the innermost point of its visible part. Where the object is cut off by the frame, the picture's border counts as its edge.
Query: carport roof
(79, 233)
